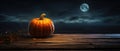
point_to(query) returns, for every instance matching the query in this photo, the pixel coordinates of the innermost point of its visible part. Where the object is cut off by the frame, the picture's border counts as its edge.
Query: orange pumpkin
(41, 27)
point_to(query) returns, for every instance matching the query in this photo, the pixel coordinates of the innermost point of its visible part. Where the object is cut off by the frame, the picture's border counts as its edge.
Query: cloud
(6, 18)
(90, 20)
(16, 19)
(112, 19)
(78, 19)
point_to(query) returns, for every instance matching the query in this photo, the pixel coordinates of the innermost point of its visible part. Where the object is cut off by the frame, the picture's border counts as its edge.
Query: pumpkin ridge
(40, 28)
(52, 27)
(37, 29)
(49, 27)
(46, 27)
(43, 28)
(42, 33)
(34, 29)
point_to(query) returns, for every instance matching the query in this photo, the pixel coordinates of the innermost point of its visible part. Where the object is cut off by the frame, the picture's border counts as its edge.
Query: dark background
(103, 15)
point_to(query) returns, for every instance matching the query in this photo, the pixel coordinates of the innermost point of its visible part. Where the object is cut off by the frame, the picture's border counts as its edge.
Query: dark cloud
(2, 17)
(112, 19)
(7, 18)
(74, 18)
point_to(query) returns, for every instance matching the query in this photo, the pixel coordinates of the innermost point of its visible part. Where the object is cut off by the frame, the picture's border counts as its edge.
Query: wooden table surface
(68, 41)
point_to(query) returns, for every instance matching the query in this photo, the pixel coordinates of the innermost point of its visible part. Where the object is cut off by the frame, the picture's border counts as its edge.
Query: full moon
(84, 7)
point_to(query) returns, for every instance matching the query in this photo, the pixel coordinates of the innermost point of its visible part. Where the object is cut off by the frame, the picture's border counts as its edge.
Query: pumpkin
(41, 27)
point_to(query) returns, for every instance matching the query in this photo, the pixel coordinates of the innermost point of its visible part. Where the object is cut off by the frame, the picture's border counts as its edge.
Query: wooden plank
(67, 41)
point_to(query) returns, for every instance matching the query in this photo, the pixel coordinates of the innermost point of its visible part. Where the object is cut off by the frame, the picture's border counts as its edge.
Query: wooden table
(67, 42)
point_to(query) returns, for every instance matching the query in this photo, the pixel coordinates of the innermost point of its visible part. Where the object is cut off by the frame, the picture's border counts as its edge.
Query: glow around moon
(84, 7)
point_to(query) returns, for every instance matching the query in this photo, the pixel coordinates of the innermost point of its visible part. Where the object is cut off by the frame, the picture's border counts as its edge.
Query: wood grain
(68, 41)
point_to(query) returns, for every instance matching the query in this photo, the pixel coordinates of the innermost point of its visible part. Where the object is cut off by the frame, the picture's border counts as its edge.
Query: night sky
(103, 16)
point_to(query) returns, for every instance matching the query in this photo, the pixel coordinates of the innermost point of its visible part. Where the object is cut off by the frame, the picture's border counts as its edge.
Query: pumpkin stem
(42, 16)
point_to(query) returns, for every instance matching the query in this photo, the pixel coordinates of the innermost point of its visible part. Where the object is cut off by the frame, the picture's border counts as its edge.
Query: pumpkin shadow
(50, 36)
